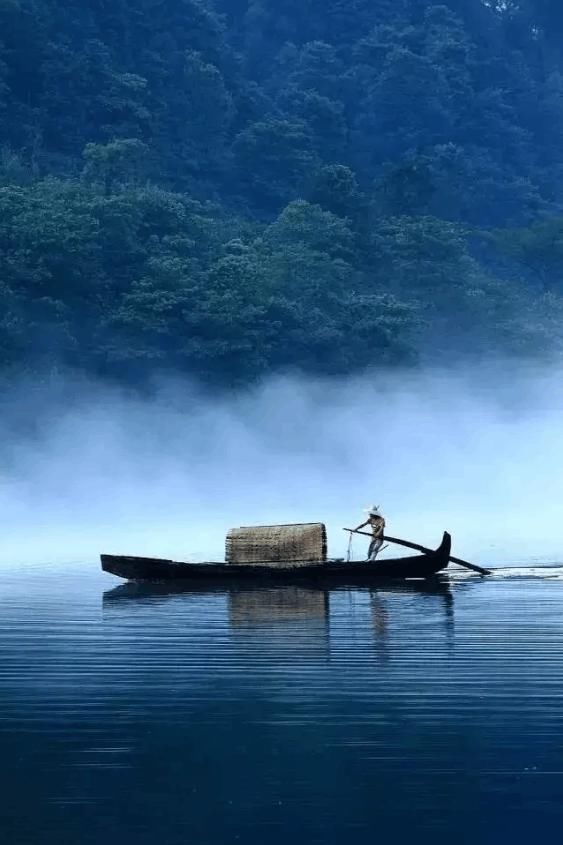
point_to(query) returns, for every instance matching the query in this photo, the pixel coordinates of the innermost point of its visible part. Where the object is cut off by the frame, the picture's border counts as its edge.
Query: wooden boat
(331, 572)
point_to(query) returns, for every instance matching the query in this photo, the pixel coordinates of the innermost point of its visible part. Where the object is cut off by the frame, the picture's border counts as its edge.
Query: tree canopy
(226, 188)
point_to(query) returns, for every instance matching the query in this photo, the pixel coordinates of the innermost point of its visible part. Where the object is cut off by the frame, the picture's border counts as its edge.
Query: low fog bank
(479, 452)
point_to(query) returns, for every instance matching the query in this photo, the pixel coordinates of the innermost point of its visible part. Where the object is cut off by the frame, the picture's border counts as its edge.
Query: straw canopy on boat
(278, 545)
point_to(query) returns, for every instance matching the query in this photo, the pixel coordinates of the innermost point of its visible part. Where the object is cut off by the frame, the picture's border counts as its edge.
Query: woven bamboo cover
(278, 545)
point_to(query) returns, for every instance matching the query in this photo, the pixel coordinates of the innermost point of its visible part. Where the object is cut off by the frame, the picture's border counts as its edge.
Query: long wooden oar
(418, 548)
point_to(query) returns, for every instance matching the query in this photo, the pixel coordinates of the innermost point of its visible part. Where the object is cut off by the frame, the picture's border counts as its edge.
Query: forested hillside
(226, 188)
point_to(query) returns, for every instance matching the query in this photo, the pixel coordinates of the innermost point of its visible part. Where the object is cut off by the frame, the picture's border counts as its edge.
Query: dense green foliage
(229, 187)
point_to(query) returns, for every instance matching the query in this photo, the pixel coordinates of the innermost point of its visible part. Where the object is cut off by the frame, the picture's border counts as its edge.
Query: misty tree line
(230, 187)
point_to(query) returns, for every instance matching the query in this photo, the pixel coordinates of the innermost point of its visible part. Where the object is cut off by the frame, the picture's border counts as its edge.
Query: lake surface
(268, 716)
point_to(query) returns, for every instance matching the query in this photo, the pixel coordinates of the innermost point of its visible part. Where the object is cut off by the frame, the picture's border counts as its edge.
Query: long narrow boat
(333, 572)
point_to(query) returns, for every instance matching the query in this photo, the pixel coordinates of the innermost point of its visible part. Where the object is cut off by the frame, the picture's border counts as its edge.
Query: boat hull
(332, 572)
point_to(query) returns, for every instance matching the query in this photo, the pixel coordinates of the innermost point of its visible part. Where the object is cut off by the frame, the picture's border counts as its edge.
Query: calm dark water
(274, 716)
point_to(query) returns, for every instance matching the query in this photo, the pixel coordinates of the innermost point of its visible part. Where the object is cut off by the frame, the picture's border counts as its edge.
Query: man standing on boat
(376, 523)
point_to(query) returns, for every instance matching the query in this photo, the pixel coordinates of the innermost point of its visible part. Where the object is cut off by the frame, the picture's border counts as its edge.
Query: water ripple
(131, 715)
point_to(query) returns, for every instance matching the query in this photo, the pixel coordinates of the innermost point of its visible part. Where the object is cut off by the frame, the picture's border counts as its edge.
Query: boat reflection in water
(415, 611)
(290, 620)
(309, 620)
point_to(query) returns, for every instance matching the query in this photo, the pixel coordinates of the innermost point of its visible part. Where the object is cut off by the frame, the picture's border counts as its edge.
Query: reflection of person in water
(383, 605)
(380, 622)
(379, 614)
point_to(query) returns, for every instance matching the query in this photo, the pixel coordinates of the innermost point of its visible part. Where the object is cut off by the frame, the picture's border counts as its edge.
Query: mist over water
(134, 712)
(477, 452)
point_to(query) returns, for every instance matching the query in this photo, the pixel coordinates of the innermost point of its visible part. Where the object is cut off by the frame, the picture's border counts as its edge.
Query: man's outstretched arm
(363, 525)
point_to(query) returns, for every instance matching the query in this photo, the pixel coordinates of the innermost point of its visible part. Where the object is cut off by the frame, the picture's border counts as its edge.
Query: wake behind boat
(280, 562)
